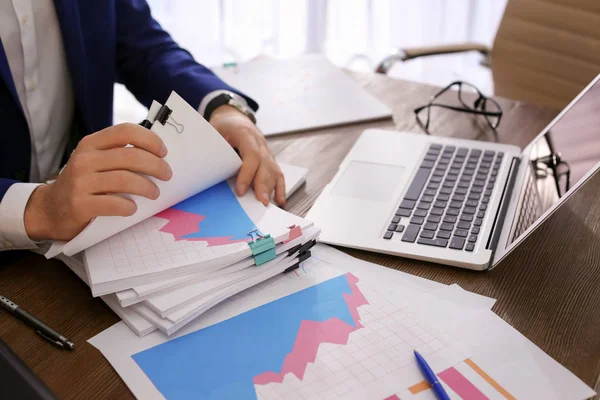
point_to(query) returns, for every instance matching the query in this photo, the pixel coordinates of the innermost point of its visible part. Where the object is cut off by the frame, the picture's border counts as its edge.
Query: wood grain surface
(548, 289)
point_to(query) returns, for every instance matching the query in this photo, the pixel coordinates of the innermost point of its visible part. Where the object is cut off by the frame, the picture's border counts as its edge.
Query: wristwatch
(228, 99)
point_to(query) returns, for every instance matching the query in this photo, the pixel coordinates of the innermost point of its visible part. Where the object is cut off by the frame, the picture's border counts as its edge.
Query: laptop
(458, 202)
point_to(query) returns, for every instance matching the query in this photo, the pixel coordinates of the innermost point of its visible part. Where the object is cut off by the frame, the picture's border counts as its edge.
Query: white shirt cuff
(213, 94)
(12, 212)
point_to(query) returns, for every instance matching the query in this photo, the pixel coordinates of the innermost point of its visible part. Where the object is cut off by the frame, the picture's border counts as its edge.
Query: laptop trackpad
(369, 181)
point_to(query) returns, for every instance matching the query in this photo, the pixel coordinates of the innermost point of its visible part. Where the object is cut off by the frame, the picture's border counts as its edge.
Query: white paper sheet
(135, 322)
(141, 292)
(211, 161)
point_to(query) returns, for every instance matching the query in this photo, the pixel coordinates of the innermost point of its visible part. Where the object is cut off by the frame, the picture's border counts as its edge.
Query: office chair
(545, 51)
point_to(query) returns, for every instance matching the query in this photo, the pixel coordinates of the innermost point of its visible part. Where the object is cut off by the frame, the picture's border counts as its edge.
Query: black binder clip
(163, 116)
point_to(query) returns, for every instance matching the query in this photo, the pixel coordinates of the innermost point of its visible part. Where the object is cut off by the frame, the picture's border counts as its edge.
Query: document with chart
(340, 328)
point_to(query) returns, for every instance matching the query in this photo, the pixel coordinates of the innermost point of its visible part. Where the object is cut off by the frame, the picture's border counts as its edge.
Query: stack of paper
(340, 328)
(197, 245)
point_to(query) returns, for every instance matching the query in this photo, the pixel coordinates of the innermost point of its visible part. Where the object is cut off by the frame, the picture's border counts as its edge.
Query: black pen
(42, 329)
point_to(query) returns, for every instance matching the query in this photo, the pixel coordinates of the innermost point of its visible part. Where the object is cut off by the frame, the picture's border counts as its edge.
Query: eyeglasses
(483, 105)
(560, 171)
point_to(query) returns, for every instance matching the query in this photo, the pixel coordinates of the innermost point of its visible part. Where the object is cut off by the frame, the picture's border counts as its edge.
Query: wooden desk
(545, 290)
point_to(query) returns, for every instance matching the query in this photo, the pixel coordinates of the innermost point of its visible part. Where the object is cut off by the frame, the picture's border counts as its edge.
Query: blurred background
(354, 34)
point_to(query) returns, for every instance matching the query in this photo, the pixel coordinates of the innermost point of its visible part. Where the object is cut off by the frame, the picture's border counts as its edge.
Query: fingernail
(169, 172)
(156, 192)
(242, 188)
(163, 150)
(266, 197)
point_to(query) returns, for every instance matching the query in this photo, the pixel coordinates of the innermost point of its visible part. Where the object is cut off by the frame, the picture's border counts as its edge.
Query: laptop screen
(559, 159)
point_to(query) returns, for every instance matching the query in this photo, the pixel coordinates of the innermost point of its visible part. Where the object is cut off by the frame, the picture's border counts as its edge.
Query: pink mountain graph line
(312, 333)
(181, 223)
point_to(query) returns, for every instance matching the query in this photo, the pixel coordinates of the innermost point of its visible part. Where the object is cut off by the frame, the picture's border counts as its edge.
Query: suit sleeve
(151, 64)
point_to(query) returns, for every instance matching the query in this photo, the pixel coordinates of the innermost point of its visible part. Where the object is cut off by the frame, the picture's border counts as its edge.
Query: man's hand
(258, 164)
(99, 166)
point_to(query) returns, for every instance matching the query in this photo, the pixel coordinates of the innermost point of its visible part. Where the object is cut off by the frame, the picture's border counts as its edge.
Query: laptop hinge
(501, 213)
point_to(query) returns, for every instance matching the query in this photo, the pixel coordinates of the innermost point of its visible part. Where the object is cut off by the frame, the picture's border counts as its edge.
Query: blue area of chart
(224, 216)
(220, 362)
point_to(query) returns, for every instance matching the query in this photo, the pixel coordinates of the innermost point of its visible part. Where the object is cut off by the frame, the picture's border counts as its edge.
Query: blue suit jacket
(105, 42)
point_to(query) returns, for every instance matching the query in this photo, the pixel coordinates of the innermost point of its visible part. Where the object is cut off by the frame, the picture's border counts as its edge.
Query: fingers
(251, 162)
(122, 135)
(264, 184)
(280, 191)
(122, 182)
(112, 205)
(134, 160)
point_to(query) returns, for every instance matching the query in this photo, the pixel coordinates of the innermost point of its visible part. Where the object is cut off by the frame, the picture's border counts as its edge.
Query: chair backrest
(546, 51)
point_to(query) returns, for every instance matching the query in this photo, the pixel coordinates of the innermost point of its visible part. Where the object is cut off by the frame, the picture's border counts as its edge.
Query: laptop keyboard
(446, 202)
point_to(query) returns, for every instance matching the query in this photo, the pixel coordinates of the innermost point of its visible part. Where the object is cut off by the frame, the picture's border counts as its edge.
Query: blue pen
(431, 378)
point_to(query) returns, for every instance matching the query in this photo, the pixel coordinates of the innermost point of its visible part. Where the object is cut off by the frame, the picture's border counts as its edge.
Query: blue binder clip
(263, 247)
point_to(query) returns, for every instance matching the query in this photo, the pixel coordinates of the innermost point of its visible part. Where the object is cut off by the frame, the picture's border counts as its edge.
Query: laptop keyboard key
(427, 234)
(478, 222)
(474, 196)
(388, 235)
(434, 219)
(427, 164)
(457, 243)
(437, 211)
(463, 225)
(466, 217)
(444, 234)
(410, 233)
(469, 210)
(433, 185)
(481, 214)
(396, 219)
(472, 238)
(417, 220)
(458, 197)
(446, 190)
(392, 227)
(435, 146)
(408, 204)
(449, 219)
(471, 203)
(483, 207)
(447, 227)
(403, 212)
(443, 197)
(475, 230)
(433, 242)
(420, 213)
(429, 192)
(399, 228)
(426, 199)
(417, 184)
(461, 233)
(461, 191)
(469, 247)
(440, 204)
(424, 206)
(455, 204)
(430, 226)
(452, 211)
(436, 179)
(430, 157)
